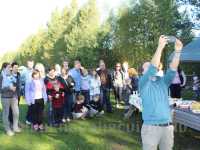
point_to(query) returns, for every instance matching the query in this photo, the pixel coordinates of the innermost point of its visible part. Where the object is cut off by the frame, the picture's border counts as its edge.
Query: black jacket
(69, 84)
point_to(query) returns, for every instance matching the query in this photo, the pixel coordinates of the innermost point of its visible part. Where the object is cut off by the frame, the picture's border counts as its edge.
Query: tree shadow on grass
(188, 140)
(76, 137)
(73, 141)
(12, 147)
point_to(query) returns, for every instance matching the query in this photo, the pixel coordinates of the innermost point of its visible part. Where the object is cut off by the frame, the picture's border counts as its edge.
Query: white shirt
(94, 86)
(38, 89)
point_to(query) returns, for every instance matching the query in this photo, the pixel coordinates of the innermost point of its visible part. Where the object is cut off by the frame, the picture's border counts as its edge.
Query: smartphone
(171, 39)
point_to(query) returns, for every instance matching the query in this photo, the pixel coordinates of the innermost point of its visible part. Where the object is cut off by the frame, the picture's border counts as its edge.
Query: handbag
(135, 100)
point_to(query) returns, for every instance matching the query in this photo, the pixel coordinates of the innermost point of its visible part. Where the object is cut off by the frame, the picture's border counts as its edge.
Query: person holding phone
(157, 129)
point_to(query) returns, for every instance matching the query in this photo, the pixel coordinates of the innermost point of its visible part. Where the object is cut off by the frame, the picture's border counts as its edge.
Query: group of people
(78, 93)
(69, 94)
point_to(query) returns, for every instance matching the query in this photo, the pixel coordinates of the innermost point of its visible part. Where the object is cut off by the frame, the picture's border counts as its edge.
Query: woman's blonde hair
(85, 71)
(132, 72)
(40, 67)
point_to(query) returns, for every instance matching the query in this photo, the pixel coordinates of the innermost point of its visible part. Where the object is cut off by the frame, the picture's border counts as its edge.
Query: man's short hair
(30, 60)
(77, 62)
(14, 64)
(52, 67)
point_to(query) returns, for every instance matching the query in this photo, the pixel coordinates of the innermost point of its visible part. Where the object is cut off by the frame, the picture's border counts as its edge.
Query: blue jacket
(30, 92)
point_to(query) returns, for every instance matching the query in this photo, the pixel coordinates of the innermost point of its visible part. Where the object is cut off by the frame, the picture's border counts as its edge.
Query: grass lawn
(109, 132)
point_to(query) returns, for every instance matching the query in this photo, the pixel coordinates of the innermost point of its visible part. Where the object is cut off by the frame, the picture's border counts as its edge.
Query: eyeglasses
(118, 66)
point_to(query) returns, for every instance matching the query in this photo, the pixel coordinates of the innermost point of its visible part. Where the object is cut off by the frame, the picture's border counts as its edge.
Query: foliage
(192, 8)
(130, 35)
(140, 26)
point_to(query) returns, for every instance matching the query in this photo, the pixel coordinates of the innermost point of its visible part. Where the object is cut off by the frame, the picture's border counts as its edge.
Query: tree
(192, 9)
(140, 26)
(81, 39)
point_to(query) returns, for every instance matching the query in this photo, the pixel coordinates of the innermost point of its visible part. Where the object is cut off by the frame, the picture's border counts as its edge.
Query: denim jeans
(68, 104)
(75, 94)
(126, 94)
(105, 99)
(58, 115)
(86, 94)
(37, 112)
(29, 113)
(6, 104)
(50, 113)
(118, 93)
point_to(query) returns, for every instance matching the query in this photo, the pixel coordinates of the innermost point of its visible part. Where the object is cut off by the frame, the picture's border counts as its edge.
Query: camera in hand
(171, 39)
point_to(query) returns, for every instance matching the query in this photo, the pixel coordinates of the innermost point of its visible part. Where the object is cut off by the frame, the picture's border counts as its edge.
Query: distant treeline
(130, 35)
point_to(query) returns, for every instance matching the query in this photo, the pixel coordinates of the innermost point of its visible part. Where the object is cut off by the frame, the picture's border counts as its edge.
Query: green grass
(110, 132)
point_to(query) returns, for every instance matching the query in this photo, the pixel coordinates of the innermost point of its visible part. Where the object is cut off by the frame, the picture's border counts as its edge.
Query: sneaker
(35, 127)
(41, 127)
(10, 133)
(28, 123)
(68, 119)
(64, 120)
(102, 112)
(117, 106)
(17, 130)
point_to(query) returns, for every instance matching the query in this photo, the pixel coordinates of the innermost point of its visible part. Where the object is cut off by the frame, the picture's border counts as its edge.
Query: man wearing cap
(157, 129)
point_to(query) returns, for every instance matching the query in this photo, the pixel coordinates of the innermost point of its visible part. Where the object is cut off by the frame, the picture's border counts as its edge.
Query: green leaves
(139, 27)
(130, 35)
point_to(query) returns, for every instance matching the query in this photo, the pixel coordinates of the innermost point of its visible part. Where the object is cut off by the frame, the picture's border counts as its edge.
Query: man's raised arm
(150, 69)
(176, 59)
(174, 64)
(157, 56)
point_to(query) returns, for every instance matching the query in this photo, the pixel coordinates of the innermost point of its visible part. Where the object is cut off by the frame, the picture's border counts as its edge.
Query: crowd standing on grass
(81, 93)
(76, 93)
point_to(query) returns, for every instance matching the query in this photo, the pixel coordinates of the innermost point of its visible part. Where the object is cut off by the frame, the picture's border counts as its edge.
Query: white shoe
(68, 119)
(117, 106)
(64, 120)
(28, 123)
(17, 130)
(10, 133)
(102, 112)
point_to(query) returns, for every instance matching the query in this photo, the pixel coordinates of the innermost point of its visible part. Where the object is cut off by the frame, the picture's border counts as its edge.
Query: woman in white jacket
(94, 83)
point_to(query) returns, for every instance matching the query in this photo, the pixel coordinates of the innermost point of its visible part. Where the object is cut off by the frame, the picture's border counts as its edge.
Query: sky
(21, 18)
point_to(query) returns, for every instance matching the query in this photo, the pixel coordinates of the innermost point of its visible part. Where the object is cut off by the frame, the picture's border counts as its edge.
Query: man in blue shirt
(75, 73)
(157, 128)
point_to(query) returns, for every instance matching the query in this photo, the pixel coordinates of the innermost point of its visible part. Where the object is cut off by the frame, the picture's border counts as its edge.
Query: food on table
(195, 107)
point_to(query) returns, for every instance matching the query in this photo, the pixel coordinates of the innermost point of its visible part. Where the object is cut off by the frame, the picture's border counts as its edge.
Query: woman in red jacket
(56, 95)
